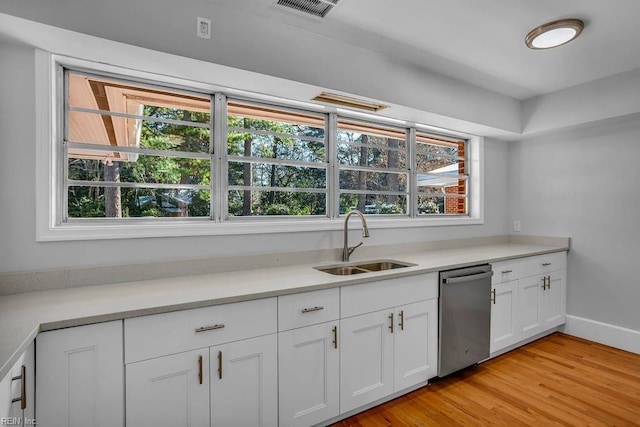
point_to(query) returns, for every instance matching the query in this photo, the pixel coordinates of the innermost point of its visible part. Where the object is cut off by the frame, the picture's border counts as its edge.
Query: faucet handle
(353, 248)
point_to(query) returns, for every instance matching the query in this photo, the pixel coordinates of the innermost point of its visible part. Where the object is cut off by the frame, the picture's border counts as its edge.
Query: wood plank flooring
(558, 380)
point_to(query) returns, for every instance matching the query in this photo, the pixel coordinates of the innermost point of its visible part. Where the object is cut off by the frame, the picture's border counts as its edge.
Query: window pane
(441, 205)
(173, 122)
(440, 165)
(351, 131)
(115, 131)
(116, 202)
(259, 203)
(265, 175)
(127, 167)
(373, 157)
(99, 93)
(258, 145)
(375, 181)
(373, 204)
(260, 131)
(285, 135)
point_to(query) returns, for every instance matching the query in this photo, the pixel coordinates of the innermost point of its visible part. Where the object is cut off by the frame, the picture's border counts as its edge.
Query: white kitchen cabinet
(80, 376)
(366, 359)
(553, 305)
(230, 384)
(415, 343)
(309, 374)
(169, 391)
(504, 315)
(387, 350)
(17, 391)
(244, 383)
(229, 378)
(528, 298)
(542, 304)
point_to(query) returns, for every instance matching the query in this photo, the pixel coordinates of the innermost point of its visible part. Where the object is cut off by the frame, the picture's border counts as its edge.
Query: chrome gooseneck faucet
(346, 252)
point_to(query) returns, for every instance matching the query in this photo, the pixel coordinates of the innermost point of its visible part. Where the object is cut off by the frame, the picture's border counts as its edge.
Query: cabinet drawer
(308, 308)
(505, 271)
(168, 333)
(541, 264)
(368, 297)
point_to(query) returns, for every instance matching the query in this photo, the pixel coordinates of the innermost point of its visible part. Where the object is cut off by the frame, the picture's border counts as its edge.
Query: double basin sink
(363, 267)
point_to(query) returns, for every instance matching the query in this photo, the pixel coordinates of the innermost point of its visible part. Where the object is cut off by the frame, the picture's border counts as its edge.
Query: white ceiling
(481, 41)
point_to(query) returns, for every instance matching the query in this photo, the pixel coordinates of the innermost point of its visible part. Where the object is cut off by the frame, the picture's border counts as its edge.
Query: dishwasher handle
(468, 278)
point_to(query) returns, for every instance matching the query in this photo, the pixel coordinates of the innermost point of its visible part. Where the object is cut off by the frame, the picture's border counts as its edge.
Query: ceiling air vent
(346, 101)
(318, 8)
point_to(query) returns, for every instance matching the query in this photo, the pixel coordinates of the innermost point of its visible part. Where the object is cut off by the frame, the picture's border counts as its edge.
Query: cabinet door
(169, 391)
(416, 343)
(244, 383)
(366, 357)
(553, 302)
(19, 380)
(309, 374)
(529, 310)
(80, 379)
(504, 320)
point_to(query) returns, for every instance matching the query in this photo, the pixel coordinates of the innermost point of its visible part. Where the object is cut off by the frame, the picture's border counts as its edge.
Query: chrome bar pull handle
(209, 328)
(312, 309)
(200, 369)
(548, 282)
(391, 322)
(23, 387)
(507, 271)
(335, 337)
(544, 283)
(220, 365)
(546, 264)
(493, 296)
(401, 322)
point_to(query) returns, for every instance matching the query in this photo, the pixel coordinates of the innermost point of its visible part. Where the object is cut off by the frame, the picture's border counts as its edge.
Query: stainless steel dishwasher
(465, 317)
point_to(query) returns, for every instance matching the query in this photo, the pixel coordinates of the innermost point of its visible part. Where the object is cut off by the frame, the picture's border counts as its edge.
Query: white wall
(19, 250)
(250, 42)
(586, 184)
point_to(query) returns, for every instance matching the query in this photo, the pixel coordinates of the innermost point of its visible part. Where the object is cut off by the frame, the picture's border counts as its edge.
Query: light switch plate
(517, 225)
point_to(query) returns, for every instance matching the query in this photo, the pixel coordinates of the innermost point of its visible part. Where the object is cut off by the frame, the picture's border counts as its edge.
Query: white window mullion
(412, 203)
(64, 130)
(219, 159)
(333, 177)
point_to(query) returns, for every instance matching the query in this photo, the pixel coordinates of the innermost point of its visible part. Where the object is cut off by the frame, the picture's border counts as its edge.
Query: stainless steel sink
(343, 271)
(363, 267)
(382, 265)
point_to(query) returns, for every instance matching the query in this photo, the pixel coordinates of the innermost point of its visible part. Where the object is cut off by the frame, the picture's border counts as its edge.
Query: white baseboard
(603, 333)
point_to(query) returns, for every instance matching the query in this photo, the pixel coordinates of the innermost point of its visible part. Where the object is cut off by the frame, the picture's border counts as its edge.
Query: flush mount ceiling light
(554, 33)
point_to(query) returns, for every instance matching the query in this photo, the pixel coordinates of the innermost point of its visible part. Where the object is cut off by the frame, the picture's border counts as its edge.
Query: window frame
(50, 176)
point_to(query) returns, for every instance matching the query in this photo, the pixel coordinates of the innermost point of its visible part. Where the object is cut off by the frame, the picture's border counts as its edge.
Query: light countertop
(22, 316)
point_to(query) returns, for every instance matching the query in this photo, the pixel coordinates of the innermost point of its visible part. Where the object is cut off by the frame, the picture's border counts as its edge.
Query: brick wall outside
(457, 205)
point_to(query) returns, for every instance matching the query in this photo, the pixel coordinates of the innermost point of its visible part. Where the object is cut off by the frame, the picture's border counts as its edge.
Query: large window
(137, 149)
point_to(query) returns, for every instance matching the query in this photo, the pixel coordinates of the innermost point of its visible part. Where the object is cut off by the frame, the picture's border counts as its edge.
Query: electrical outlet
(203, 29)
(517, 225)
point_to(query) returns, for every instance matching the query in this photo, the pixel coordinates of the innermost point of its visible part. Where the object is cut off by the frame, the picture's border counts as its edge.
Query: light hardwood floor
(557, 380)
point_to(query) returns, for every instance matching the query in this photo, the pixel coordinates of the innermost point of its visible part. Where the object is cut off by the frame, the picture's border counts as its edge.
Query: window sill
(141, 229)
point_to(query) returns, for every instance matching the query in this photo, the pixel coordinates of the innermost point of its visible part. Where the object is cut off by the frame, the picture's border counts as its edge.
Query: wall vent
(318, 8)
(347, 101)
